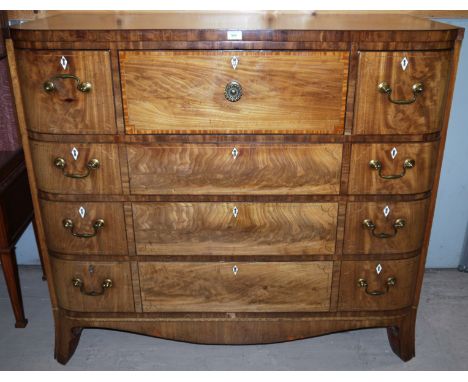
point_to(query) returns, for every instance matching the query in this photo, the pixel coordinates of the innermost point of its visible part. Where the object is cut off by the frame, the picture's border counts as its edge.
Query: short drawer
(406, 168)
(84, 228)
(401, 92)
(85, 286)
(235, 228)
(377, 285)
(235, 287)
(381, 228)
(67, 91)
(234, 169)
(76, 168)
(234, 92)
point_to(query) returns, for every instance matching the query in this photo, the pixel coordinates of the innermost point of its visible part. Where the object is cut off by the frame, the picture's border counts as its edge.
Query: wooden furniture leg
(402, 337)
(10, 271)
(66, 338)
(41, 255)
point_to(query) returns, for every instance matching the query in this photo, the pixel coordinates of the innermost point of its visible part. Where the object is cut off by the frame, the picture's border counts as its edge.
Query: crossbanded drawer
(176, 92)
(385, 227)
(234, 168)
(84, 227)
(392, 168)
(235, 228)
(377, 285)
(79, 98)
(235, 287)
(85, 286)
(401, 92)
(76, 168)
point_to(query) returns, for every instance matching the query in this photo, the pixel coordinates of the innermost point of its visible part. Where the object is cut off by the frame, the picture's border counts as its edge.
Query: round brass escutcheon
(233, 91)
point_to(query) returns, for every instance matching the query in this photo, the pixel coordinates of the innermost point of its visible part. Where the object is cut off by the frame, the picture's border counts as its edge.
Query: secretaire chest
(241, 178)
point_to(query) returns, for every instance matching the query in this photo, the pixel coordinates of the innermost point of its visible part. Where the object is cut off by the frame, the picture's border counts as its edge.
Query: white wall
(451, 215)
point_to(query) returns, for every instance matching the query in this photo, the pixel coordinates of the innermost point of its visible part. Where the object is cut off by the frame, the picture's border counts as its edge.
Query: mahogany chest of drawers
(234, 179)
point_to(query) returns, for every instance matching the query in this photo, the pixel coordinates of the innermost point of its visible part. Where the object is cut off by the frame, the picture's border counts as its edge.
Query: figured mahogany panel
(213, 228)
(235, 287)
(110, 239)
(117, 298)
(103, 180)
(392, 156)
(283, 92)
(360, 240)
(234, 168)
(66, 109)
(354, 297)
(375, 114)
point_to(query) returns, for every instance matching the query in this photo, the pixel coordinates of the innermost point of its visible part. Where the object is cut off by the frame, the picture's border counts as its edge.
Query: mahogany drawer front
(406, 168)
(235, 287)
(403, 227)
(235, 228)
(66, 109)
(76, 282)
(376, 114)
(282, 92)
(107, 238)
(377, 285)
(57, 170)
(234, 168)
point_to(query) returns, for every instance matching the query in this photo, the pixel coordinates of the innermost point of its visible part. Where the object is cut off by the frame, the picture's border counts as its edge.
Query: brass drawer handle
(385, 88)
(84, 87)
(78, 283)
(233, 91)
(93, 164)
(391, 281)
(375, 164)
(397, 224)
(97, 225)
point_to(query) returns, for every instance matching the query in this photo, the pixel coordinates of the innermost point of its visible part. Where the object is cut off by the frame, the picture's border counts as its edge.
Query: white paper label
(234, 35)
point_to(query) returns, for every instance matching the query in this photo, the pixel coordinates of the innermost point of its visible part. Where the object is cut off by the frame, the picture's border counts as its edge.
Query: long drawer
(235, 228)
(235, 287)
(234, 168)
(176, 92)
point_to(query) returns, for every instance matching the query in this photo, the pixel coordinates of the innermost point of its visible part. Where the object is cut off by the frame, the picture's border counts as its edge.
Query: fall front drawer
(84, 227)
(67, 91)
(235, 287)
(234, 168)
(77, 168)
(235, 228)
(85, 286)
(234, 91)
(377, 285)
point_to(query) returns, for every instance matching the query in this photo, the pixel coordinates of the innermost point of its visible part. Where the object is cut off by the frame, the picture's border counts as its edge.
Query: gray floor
(441, 340)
